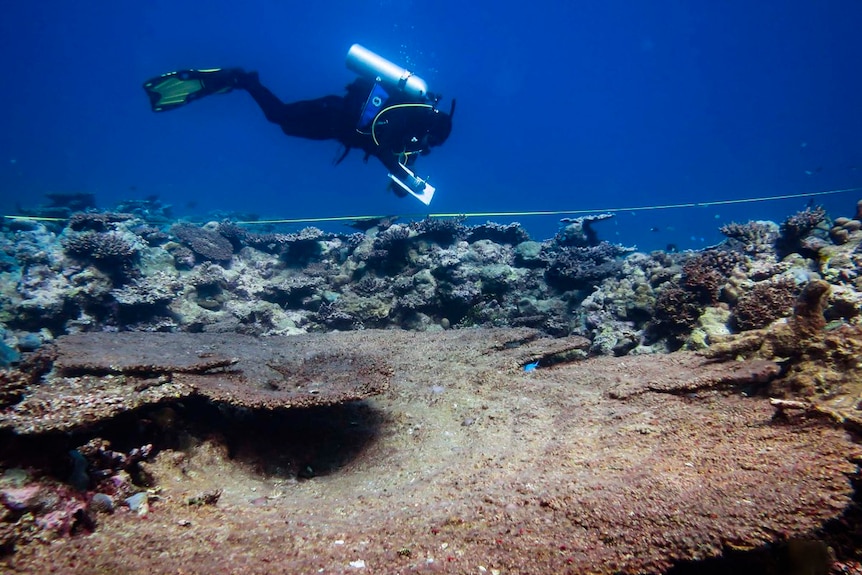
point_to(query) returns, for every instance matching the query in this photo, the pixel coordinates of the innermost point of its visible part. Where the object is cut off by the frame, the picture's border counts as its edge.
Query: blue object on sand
(8, 356)
(531, 366)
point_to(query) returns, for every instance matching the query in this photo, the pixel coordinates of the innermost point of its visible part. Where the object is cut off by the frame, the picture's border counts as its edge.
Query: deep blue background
(561, 106)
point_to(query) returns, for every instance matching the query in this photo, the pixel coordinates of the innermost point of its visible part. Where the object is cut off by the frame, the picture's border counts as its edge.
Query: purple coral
(706, 273)
(765, 303)
(795, 229)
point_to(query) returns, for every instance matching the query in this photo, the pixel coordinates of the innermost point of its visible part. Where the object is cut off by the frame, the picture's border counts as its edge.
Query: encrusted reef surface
(98, 375)
(468, 463)
(426, 396)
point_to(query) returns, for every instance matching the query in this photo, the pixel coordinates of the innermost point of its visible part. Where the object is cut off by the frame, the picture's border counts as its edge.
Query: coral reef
(112, 271)
(579, 231)
(96, 221)
(677, 310)
(795, 228)
(137, 383)
(498, 233)
(706, 273)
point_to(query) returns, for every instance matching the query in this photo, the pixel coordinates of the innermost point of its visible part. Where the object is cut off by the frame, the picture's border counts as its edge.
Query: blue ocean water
(561, 106)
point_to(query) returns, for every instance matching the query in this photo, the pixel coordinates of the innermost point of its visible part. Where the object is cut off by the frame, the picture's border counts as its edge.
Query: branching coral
(295, 291)
(706, 273)
(302, 242)
(109, 247)
(676, 309)
(818, 362)
(394, 234)
(802, 222)
(802, 331)
(443, 231)
(389, 249)
(157, 290)
(765, 303)
(796, 227)
(753, 237)
(151, 234)
(333, 318)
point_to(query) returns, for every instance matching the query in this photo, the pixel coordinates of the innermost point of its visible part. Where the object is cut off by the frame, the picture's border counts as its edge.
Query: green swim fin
(176, 89)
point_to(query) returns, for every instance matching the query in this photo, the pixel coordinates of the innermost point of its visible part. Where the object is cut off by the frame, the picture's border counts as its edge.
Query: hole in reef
(298, 442)
(290, 443)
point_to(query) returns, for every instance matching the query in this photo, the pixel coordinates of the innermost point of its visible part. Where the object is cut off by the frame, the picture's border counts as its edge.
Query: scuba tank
(377, 68)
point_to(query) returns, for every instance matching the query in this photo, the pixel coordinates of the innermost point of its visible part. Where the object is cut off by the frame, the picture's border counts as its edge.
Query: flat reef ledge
(97, 376)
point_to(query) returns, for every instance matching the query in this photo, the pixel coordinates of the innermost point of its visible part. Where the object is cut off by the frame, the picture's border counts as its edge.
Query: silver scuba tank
(368, 64)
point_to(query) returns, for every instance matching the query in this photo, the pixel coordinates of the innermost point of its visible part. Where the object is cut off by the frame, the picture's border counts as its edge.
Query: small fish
(531, 366)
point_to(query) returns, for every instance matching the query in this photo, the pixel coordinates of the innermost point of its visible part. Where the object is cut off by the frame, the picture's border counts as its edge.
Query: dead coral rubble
(821, 365)
(207, 244)
(96, 221)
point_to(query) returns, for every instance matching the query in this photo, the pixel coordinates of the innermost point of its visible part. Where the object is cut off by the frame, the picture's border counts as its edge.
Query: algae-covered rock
(712, 323)
(97, 376)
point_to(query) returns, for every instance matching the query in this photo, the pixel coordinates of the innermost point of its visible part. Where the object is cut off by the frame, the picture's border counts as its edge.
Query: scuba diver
(387, 112)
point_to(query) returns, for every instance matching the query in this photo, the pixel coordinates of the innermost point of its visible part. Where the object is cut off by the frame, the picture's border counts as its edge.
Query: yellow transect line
(513, 214)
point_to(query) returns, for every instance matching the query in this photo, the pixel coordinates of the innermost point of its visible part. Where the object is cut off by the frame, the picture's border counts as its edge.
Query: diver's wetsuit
(409, 129)
(378, 118)
(326, 118)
